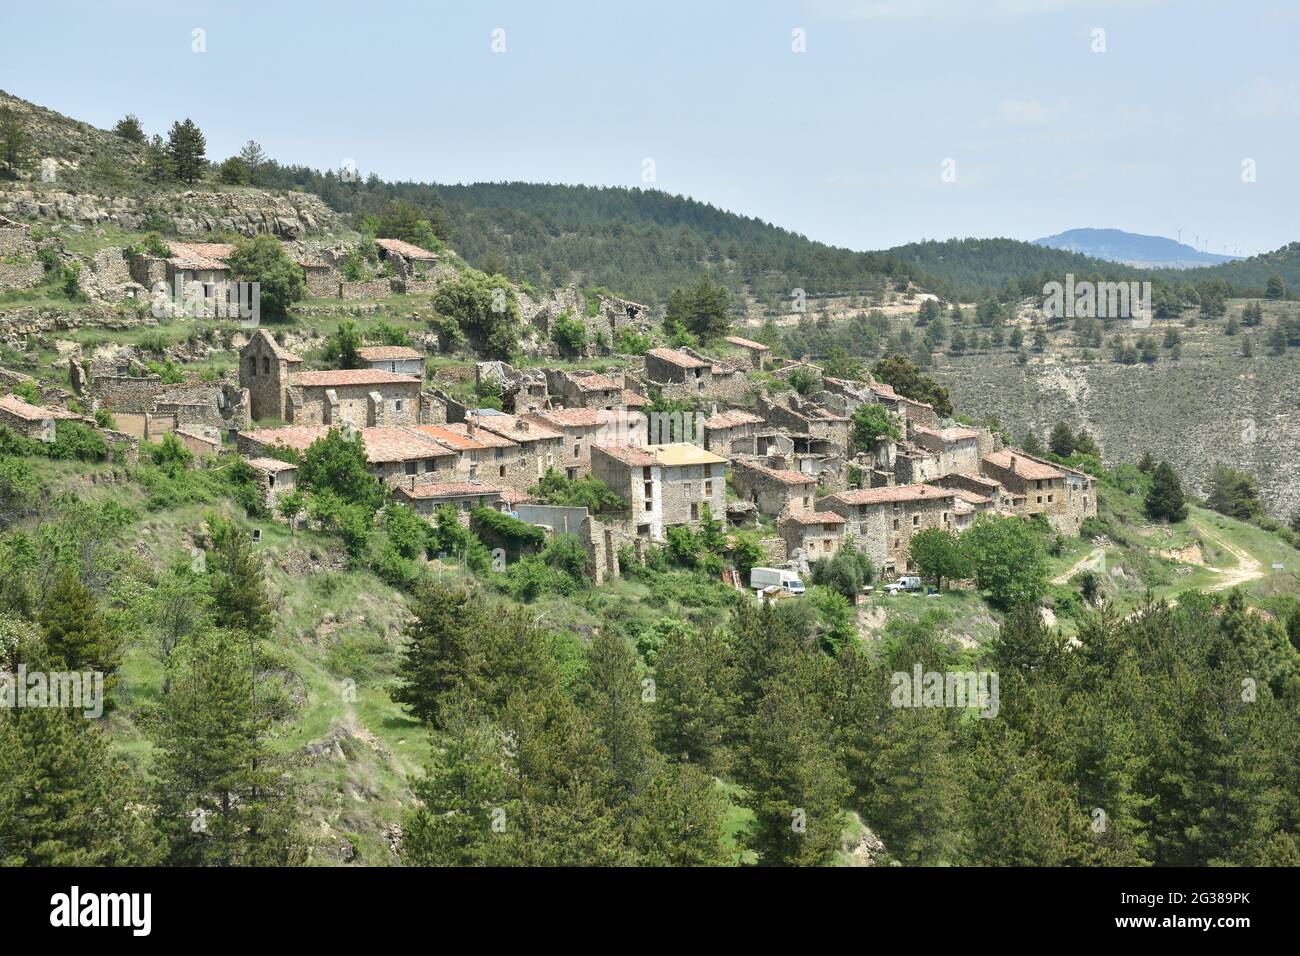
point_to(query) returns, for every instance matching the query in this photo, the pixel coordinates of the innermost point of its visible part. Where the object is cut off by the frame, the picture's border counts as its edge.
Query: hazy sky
(845, 142)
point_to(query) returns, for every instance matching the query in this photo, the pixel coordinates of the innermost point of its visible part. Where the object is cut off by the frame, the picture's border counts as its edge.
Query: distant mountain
(1130, 248)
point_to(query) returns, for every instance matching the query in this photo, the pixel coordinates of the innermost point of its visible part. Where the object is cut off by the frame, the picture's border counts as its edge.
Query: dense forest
(970, 269)
(640, 243)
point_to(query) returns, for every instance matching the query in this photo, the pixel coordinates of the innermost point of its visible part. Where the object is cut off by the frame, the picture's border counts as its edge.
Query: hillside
(1129, 248)
(1211, 404)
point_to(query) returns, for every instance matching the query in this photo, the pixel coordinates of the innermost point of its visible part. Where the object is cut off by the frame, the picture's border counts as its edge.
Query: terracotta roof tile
(876, 496)
(1024, 467)
(680, 359)
(352, 376)
(747, 343)
(404, 249)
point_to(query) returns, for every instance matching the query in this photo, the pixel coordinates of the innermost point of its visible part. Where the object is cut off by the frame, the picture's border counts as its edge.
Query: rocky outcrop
(191, 213)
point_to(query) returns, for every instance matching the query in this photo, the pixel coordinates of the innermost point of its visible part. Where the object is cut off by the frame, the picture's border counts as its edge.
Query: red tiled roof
(595, 382)
(559, 418)
(747, 343)
(270, 464)
(200, 255)
(786, 476)
(875, 496)
(632, 400)
(400, 444)
(388, 353)
(818, 517)
(949, 434)
(297, 437)
(454, 439)
(680, 359)
(448, 489)
(732, 418)
(634, 456)
(352, 376)
(508, 426)
(483, 437)
(16, 406)
(970, 497)
(405, 249)
(1024, 467)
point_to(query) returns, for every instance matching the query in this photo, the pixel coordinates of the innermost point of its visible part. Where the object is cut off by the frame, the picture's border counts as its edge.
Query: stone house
(663, 485)
(19, 266)
(582, 428)
(928, 453)
(920, 413)
(410, 263)
(682, 373)
(30, 421)
(199, 262)
(792, 414)
(360, 397)
(755, 351)
(398, 359)
(395, 455)
(537, 447)
(957, 448)
(774, 489)
(426, 498)
(883, 520)
(494, 458)
(722, 430)
(319, 274)
(266, 370)
(275, 478)
(577, 389)
(1065, 496)
(813, 535)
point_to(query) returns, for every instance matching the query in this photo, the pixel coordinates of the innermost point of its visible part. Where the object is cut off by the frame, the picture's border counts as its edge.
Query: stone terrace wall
(374, 289)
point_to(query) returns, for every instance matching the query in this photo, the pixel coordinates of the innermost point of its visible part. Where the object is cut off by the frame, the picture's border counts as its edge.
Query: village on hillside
(787, 457)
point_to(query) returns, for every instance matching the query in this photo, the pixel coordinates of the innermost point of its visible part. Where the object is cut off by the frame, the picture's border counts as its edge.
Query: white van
(908, 582)
(788, 581)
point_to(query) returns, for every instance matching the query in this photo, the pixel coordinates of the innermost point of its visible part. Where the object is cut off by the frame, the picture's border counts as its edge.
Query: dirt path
(1247, 569)
(1089, 562)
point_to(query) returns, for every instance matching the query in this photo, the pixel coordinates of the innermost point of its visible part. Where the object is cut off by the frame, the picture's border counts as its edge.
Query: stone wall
(373, 289)
(122, 393)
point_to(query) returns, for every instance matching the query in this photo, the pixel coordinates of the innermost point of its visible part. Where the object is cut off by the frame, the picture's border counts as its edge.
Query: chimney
(1013, 464)
(469, 427)
(521, 424)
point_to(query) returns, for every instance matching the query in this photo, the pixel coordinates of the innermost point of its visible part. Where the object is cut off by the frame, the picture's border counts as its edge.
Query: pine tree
(692, 687)
(461, 789)
(794, 782)
(186, 148)
(222, 799)
(443, 651)
(75, 631)
(237, 580)
(677, 819)
(157, 161)
(611, 695)
(65, 799)
(1164, 500)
